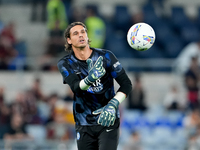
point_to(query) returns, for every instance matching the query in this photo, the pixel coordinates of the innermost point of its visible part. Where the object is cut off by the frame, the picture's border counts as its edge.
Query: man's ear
(69, 41)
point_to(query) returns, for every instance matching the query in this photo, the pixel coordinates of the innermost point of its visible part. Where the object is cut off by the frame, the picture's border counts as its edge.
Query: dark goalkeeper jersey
(99, 93)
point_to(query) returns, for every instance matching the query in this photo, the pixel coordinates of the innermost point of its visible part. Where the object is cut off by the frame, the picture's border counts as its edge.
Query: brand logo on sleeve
(78, 135)
(116, 64)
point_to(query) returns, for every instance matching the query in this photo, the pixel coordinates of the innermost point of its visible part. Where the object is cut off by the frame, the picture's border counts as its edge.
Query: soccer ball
(141, 36)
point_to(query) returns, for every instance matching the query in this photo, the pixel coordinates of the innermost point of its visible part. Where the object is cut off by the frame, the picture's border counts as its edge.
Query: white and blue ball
(141, 36)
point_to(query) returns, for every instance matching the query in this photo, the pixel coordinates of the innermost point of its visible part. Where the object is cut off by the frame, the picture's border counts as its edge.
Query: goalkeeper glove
(95, 71)
(107, 113)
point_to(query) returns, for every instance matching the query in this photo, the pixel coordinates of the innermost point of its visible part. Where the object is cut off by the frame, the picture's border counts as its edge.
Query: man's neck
(82, 54)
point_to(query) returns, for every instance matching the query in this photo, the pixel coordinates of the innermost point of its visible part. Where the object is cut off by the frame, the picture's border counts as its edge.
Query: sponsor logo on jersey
(97, 86)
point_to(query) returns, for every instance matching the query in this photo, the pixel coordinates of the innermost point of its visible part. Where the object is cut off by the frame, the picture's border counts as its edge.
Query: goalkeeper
(90, 72)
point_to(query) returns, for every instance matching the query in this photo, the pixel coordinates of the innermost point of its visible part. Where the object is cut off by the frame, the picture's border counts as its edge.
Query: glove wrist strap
(114, 102)
(87, 81)
(120, 96)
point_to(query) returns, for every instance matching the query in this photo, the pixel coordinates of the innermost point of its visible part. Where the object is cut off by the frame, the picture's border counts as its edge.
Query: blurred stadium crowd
(33, 115)
(173, 30)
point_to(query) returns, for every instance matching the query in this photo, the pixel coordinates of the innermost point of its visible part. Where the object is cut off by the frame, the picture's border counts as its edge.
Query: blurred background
(162, 111)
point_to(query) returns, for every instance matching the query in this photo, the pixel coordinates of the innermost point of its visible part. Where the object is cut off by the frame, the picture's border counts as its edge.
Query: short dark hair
(68, 47)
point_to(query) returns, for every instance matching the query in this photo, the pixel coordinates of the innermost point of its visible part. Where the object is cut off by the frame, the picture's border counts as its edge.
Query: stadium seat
(179, 18)
(3, 129)
(163, 32)
(150, 16)
(176, 118)
(168, 39)
(198, 18)
(190, 33)
(130, 119)
(38, 132)
(162, 133)
(179, 136)
(21, 47)
(121, 18)
(116, 42)
(19, 62)
(109, 32)
(173, 46)
(93, 7)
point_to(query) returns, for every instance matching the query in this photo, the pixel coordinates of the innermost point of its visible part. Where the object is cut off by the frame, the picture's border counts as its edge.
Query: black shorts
(98, 137)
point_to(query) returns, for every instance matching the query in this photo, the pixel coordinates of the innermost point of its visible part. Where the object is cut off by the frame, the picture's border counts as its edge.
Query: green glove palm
(107, 113)
(95, 71)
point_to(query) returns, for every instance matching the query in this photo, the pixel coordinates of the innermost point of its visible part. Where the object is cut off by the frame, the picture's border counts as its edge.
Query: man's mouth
(81, 41)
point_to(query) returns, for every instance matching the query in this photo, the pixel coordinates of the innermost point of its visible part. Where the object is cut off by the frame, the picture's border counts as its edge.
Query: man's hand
(107, 113)
(95, 71)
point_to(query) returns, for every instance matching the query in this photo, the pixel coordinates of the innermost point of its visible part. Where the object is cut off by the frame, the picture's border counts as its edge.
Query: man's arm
(108, 113)
(125, 85)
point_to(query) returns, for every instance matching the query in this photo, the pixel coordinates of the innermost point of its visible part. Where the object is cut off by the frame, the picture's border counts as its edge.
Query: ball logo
(134, 33)
(97, 86)
(148, 39)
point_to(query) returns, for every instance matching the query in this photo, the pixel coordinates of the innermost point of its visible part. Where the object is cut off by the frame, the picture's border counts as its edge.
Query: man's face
(78, 37)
